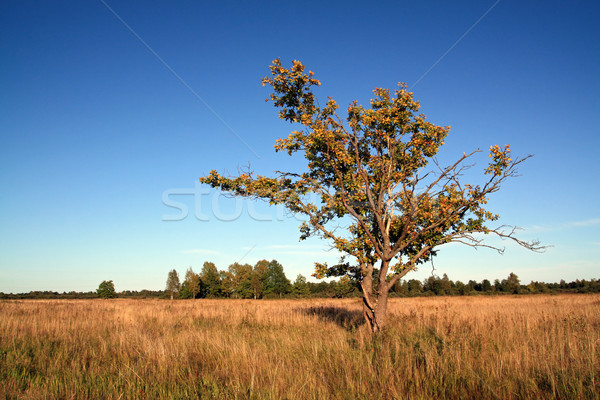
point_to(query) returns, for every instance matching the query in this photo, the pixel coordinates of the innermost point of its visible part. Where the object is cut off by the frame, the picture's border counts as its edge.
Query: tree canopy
(106, 290)
(373, 185)
(211, 279)
(173, 284)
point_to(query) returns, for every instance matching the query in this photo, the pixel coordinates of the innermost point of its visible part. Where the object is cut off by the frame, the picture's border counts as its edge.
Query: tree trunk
(381, 312)
(375, 308)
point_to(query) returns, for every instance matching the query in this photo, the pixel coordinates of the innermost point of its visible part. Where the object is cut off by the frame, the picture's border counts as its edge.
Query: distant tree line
(267, 280)
(436, 286)
(49, 294)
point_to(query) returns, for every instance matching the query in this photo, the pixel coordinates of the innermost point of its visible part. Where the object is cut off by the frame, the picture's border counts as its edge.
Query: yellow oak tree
(375, 174)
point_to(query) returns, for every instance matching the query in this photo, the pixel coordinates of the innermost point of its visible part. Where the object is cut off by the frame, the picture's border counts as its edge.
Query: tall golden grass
(507, 347)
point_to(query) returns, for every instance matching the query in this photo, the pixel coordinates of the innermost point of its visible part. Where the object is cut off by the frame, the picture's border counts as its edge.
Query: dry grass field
(506, 347)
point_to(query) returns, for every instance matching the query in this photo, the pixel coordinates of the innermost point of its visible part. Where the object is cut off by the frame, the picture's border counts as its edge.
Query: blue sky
(99, 136)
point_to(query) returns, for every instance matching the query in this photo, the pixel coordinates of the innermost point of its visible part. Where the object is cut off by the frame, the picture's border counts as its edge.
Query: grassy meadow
(506, 347)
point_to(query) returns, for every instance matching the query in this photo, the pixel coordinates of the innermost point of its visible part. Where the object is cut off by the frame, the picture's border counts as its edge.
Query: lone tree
(376, 176)
(173, 284)
(106, 290)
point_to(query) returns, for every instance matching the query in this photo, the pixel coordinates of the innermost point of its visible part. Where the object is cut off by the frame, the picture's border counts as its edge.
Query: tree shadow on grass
(347, 319)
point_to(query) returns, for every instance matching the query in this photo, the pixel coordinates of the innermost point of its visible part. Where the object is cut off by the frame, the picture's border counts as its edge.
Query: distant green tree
(563, 284)
(193, 282)
(401, 288)
(513, 285)
(345, 287)
(241, 276)
(470, 286)
(542, 287)
(486, 286)
(106, 290)
(445, 286)
(227, 283)
(259, 278)
(301, 288)
(184, 291)
(583, 286)
(211, 279)
(320, 289)
(415, 287)
(433, 285)
(173, 284)
(277, 284)
(497, 285)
